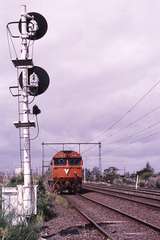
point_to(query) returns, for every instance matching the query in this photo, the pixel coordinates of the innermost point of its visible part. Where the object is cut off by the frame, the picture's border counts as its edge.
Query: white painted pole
(84, 167)
(27, 197)
(137, 181)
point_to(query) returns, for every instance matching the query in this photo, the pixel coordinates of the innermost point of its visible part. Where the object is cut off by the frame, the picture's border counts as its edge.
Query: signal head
(36, 25)
(38, 80)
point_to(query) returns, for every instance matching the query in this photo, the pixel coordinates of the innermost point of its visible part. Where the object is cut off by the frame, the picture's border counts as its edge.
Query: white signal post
(22, 199)
(27, 197)
(137, 181)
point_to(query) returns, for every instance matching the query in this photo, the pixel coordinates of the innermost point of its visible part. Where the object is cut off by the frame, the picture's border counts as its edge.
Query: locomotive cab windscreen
(60, 161)
(70, 161)
(74, 161)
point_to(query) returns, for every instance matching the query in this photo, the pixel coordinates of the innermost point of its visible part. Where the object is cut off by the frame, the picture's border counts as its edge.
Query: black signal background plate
(41, 22)
(43, 80)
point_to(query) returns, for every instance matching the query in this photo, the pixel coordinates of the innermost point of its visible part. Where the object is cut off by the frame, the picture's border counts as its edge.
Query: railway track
(127, 196)
(106, 235)
(143, 194)
(154, 227)
(139, 190)
(142, 208)
(140, 223)
(89, 217)
(130, 190)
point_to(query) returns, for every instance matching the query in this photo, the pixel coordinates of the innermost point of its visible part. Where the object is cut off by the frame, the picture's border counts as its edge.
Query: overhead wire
(136, 121)
(143, 130)
(130, 109)
(143, 116)
(125, 114)
(153, 134)
(135, 135)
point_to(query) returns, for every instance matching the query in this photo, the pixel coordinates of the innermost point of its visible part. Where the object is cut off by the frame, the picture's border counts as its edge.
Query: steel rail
(98, 190)
(125, 192)
(154, 227)
(156, 192)
(139, 190)
(143, 191)
(97, 226)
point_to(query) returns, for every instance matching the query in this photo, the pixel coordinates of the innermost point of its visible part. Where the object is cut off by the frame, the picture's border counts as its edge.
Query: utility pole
(100, 158)
(137, 181)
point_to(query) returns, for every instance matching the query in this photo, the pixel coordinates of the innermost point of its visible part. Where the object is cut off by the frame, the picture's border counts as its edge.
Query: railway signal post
(32, 81)
(28, 188)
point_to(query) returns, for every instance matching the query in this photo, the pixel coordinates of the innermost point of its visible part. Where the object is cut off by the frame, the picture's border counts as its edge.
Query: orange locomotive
(66, 171)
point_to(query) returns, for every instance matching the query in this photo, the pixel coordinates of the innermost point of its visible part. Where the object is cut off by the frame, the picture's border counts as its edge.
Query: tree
(146, 172)
(96, 174)
(88, 174)
(110, 174)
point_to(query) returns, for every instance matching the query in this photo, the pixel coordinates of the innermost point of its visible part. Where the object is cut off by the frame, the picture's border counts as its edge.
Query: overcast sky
(102, 57)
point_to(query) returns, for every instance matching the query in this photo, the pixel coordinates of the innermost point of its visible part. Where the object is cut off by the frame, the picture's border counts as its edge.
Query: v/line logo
(66, 170)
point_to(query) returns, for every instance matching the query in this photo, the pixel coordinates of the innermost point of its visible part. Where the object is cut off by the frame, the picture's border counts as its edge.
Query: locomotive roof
(67, 154)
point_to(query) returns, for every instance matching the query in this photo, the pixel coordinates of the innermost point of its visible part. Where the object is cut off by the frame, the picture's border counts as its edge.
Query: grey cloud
(101, 58)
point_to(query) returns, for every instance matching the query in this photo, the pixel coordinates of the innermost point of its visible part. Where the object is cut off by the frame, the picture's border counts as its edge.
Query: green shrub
(158, 183)
(16, 180)
(21, 232)
(3, 221)
(30, 229)
(45, 202)
(26, 230)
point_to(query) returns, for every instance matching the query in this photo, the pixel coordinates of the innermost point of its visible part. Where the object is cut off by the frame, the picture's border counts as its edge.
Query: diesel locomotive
(66, 172)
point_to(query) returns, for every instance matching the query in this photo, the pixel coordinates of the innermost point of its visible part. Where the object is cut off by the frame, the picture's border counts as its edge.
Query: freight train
(66, 172)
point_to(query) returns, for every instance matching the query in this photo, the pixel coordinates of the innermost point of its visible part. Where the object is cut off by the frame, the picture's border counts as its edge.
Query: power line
(143, 116)
(137, 120)
(130, 110)
(137, 134)
(126, 113)
(155, 133)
